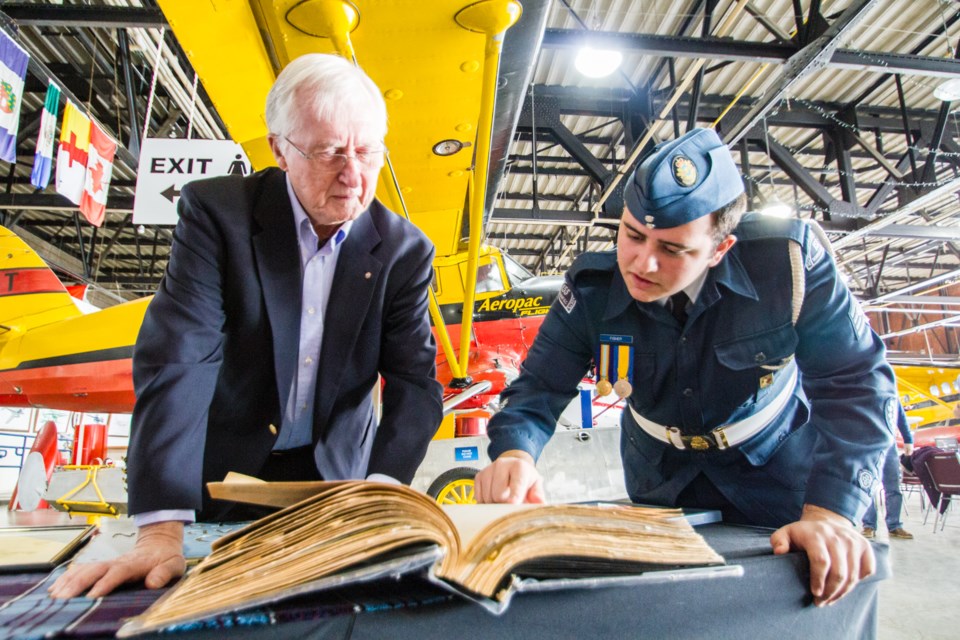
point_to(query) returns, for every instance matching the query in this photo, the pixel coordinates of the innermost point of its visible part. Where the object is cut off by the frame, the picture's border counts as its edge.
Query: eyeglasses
(336, 161)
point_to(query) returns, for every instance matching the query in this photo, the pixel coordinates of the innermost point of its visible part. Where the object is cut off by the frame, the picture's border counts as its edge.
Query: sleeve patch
(815, 252)
(890, 412)
(566, 298)
(858, 319)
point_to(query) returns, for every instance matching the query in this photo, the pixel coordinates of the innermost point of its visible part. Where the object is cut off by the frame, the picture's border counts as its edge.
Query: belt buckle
(699, 443)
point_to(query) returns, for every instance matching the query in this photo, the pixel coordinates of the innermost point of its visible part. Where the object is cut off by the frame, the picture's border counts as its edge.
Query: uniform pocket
(755, 361)
(772, 348)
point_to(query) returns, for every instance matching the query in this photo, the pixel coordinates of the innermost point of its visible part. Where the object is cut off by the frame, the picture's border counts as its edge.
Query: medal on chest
(615, 365)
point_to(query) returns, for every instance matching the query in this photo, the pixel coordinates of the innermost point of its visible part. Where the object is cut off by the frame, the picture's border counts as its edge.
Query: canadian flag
(93, 203)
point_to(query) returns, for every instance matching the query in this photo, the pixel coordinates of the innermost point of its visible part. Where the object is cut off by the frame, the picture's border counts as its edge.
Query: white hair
(336, 88)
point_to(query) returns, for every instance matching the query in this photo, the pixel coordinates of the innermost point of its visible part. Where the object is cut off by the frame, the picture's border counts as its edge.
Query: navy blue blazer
(216, 354)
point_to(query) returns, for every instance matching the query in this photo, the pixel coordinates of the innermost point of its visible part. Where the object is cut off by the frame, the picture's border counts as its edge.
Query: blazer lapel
(354, 283)
(277, 262)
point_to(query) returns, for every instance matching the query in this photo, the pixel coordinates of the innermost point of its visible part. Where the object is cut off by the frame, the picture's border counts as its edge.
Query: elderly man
(288, 293)
(753, 383)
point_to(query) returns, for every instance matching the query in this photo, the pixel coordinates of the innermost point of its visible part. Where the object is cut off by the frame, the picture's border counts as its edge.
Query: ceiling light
(948, 91)
(777, 209)
(597, 63)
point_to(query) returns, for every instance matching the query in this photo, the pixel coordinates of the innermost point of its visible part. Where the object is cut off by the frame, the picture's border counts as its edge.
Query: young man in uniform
(753, 383)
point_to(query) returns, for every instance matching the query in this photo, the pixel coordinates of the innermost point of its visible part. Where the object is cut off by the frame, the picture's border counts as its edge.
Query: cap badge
(684, 171)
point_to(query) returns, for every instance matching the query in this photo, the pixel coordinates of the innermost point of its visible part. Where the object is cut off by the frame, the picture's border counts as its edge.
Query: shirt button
(308, 360)
(687, 392)
(683, 339)
(272, 429)
(311, 310)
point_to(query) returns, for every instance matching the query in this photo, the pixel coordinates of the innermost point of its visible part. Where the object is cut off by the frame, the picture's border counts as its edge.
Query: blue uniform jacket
(826, 446)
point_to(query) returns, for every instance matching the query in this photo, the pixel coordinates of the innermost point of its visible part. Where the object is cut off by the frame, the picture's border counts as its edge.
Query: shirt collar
(306, 236)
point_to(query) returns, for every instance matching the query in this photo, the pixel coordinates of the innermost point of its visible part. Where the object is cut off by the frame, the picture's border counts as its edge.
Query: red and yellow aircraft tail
(51, 353)
(31, 295)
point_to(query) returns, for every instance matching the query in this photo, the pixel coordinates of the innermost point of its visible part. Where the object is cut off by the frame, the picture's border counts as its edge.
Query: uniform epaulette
(756, 226)
(593, 261)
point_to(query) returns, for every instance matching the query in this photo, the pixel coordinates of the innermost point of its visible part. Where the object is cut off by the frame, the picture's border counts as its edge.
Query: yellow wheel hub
(457, 492)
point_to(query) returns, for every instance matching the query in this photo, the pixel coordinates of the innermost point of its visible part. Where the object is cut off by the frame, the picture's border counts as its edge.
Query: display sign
(166, 164)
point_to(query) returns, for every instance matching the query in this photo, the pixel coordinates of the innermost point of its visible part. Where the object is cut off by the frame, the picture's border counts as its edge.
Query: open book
(335, 533)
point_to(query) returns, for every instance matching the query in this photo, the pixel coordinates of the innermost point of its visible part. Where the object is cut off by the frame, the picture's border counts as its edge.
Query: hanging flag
(13, 70)
(72, 156)
(93, 204)
(43, 159)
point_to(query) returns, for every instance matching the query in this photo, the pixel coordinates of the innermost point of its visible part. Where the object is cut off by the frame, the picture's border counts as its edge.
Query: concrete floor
(922, 600)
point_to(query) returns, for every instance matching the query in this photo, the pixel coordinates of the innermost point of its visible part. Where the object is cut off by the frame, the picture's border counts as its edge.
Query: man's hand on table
(157, 558)
(512, 477)
(839, 556)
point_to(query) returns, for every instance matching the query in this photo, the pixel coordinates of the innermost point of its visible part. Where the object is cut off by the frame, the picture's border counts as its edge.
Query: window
(516, 272)
(489, 278)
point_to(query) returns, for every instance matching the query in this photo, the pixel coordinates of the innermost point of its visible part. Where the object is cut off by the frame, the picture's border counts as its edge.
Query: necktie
(678, 307)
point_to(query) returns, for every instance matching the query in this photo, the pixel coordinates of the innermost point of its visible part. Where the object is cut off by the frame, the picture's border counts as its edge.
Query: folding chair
(910, 484)
(944, 470)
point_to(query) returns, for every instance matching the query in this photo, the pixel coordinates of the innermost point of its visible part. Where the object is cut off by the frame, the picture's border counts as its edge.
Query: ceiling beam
(56, 202)
(810, 59)
(541, 216)
(728, 49)
(43, 15)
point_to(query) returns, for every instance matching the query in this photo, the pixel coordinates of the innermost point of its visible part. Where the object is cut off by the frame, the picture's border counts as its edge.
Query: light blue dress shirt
(317, 265)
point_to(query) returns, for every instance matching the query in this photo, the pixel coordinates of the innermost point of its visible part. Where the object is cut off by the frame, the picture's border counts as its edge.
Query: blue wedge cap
(683, 180)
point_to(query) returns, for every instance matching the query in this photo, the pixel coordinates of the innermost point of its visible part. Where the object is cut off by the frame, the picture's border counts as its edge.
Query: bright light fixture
(597, 63)
(948, 91)
(776, 209)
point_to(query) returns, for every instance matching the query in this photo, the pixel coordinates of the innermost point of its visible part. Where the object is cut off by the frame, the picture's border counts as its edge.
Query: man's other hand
(839, 556)
(157, 558)
(513, 478)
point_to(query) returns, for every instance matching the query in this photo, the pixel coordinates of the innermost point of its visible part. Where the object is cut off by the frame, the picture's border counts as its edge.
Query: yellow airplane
(452, 104)
(452, 100)
(931, 397)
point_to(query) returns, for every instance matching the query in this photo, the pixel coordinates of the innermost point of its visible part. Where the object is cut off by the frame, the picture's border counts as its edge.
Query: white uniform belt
(728, 435)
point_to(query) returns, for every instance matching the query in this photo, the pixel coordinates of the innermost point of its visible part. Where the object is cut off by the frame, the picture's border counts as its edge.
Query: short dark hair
(726, 218)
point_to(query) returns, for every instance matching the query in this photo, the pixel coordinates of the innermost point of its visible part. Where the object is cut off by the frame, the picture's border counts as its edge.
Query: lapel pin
(367, 275)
